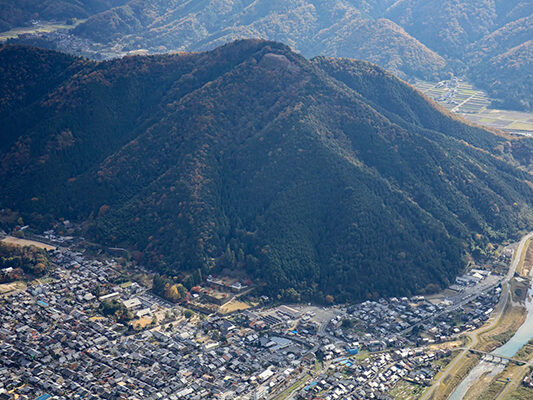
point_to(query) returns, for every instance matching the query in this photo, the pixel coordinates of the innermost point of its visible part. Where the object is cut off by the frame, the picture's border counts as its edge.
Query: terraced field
(462, 98)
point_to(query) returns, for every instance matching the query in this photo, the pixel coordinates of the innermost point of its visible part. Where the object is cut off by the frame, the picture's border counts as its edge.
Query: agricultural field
(26, 242)
(462, 98)
(406, 391)
(40, 27)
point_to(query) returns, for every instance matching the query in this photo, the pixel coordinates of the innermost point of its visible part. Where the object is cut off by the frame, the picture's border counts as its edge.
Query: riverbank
(511, 333)
(508, 316)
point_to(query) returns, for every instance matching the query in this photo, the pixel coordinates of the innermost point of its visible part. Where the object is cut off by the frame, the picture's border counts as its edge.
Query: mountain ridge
(312, 182)
(399, 36)
(414, 39)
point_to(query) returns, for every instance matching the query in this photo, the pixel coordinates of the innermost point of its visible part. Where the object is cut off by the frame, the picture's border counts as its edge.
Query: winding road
(495, 318)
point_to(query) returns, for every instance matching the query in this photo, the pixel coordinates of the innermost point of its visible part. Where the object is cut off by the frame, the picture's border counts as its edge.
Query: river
(523, 335)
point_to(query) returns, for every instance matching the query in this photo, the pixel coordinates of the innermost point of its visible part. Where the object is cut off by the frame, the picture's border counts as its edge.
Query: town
(58, 342)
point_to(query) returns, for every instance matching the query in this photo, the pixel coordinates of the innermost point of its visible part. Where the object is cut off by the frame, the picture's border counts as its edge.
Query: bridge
(494, 358)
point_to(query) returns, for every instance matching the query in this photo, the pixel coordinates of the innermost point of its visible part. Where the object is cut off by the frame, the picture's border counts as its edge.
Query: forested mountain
(503, 60)
(328, 177)
(450, 26)
(312, 27)
(20, 12)
(488, 40)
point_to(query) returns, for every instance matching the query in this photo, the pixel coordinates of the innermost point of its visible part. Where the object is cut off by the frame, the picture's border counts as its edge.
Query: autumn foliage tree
(30, 259)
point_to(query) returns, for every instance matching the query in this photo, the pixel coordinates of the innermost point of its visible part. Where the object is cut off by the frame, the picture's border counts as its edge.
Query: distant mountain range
(315, 177)
(490, 40)
(312, 27)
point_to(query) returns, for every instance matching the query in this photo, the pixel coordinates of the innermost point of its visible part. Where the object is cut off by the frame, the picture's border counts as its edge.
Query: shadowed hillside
(327, 176)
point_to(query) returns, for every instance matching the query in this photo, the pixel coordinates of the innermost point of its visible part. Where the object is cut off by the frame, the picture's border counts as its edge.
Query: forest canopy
(323, 179)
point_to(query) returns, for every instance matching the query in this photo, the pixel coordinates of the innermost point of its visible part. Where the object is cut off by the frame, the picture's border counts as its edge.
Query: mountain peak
(328, 177)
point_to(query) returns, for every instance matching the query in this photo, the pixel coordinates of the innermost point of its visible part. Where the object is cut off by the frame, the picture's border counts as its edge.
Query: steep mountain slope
(447, 26)
(510, 76)
(32, 73)
(326, 176)
(312, 27)
(503, 60)
(488, 40)
(411, 38)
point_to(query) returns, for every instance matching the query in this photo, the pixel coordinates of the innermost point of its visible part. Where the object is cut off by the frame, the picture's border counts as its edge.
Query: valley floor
(394, 347)
(472, 104)
(508, 333)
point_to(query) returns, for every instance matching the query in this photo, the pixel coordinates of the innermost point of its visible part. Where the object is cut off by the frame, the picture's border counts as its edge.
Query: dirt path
(26, 242)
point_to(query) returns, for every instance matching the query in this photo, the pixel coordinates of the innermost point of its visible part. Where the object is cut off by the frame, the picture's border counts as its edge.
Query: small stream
(523, 335)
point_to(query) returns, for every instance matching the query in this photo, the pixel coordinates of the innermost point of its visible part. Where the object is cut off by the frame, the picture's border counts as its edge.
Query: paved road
(467, 299)
(511, 385)
(494, 319)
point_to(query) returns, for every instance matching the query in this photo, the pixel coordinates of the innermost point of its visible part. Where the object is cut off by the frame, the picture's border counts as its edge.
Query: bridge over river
(495, 358)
